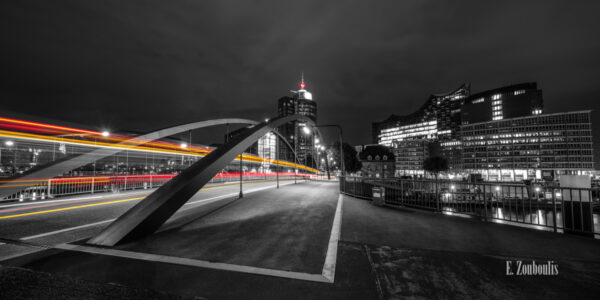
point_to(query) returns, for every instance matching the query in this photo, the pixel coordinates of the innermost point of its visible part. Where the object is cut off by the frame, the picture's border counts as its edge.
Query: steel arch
(149, 214)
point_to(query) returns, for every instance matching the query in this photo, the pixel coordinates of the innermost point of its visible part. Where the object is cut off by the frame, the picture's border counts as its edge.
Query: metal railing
(559, 209)
(38, 189)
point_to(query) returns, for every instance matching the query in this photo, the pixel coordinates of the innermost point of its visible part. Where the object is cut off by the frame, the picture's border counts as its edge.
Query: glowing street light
(497, 188)
(316, 140)
(452, 187)
(306, 130)
(9, 143)
(105, 133)
(184, 145)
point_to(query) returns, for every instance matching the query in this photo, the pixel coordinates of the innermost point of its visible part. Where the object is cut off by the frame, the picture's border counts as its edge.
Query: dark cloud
(140, 65)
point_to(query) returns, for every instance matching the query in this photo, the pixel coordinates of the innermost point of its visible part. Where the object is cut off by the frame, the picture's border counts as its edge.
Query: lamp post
(295, 152)
(277, 157)
(241, 173)
(342, 165)
(104, 134)
(10, 144)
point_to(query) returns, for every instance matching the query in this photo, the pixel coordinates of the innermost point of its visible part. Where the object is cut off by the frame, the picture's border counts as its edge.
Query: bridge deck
(383, 253)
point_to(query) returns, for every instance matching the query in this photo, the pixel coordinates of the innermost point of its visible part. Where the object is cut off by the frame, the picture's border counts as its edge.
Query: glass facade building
(299, 103)
(440, 119)
(507, 102)
(539, 146)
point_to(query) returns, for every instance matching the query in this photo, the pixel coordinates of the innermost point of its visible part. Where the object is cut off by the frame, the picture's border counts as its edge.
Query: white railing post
(49, 188)
(93, 184)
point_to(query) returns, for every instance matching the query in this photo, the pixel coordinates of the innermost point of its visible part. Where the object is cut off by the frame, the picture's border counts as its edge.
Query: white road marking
(194, 263)
(102, 196)
(50, 201)
(327, 275)
(106, 221)
(332, 248)
(65, 230)
(73, 199)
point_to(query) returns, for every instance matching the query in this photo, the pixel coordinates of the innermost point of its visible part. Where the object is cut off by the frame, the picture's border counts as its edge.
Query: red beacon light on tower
(302, 85)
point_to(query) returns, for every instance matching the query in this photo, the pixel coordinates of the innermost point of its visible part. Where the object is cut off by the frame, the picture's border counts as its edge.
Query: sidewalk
(383, 254)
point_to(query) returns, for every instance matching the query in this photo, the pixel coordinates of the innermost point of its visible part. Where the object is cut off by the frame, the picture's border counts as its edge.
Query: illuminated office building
(266, 149)
(538, 146)
(410, 156)
(507, 102)
(439, 120)
(300, 102)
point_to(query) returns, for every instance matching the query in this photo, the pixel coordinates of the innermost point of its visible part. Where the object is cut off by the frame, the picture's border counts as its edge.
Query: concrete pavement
(62, 220)
(383, 253)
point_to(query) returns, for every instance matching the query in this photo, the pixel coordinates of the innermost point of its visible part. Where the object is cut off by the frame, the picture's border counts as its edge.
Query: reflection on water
(536, 217)
(540, 217)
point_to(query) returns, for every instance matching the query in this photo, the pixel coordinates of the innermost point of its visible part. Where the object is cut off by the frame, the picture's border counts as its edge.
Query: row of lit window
(556, 120)
(434, 122)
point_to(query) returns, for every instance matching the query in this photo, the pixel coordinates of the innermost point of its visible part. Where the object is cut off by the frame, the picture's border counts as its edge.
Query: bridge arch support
(149, 214)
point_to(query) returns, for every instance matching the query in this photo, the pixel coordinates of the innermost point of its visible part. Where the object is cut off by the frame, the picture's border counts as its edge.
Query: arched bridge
(62, 166)
(150, 213)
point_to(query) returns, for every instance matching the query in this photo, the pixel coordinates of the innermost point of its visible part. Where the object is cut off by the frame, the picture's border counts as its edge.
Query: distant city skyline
(136, 67)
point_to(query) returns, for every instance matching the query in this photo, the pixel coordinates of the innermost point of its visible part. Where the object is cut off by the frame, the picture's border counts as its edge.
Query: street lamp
(105, 133)
(343, 169)
(306, 130)
(10, 144)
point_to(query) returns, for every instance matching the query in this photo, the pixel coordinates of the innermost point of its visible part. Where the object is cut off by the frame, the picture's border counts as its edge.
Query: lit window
(519, 92)
(479, 100)
(496, 97)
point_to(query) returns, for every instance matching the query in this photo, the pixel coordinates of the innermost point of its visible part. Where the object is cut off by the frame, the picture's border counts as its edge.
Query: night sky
(143, 65)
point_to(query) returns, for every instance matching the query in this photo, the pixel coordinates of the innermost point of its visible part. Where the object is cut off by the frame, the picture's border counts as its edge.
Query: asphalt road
(382, 252)
(55, 221)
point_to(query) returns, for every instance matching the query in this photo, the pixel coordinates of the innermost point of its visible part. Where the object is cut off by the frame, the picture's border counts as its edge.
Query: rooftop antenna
(302, 84)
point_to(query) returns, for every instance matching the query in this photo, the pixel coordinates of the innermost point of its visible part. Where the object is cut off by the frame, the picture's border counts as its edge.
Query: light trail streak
(106, 202)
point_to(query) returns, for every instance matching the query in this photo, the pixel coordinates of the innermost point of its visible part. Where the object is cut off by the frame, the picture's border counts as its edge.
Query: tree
(435, 165)
(351, 162)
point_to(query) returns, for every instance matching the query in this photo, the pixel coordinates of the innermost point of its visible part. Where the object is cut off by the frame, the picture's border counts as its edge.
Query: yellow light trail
(111, 202)
(69, 208)
(200, 153)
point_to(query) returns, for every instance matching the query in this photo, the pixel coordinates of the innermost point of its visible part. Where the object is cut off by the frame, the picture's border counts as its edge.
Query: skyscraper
(299, 102)
(439, 120)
